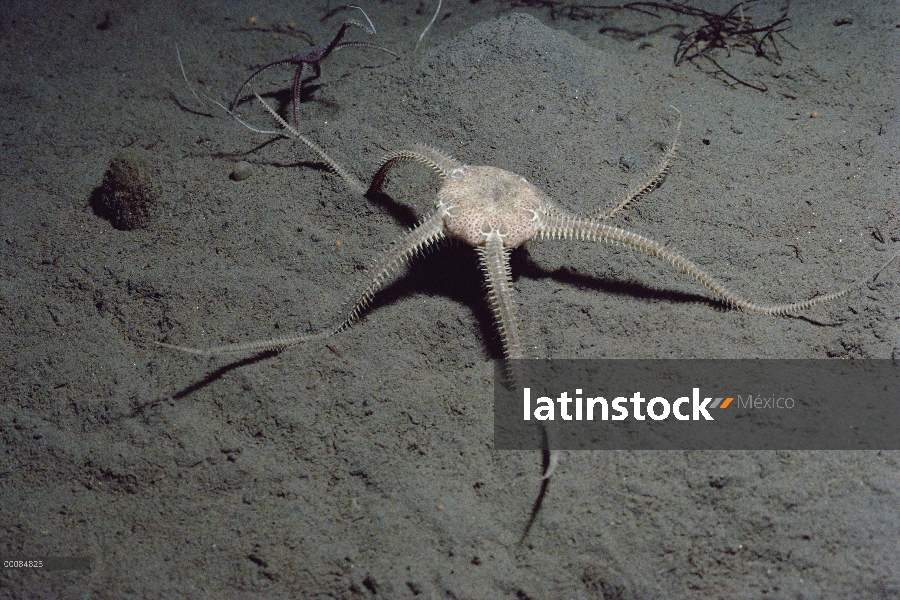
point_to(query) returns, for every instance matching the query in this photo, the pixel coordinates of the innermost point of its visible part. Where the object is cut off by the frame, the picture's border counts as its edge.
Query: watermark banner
(697, 404)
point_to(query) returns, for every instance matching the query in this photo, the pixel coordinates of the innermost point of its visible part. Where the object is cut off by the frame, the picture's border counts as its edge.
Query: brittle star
(313, 57)
(496, 211)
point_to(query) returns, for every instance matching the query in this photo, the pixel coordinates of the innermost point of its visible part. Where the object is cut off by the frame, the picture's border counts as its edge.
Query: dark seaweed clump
(127, 198)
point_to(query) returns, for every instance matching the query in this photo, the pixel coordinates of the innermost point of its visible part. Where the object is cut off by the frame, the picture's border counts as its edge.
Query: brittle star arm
(259, 71)
(368, 45)
(439, 162)
(368, 28)
(571, 227)
(428, 232)
(295, 90)
(355, 184)
(494, 258)
(652, 179)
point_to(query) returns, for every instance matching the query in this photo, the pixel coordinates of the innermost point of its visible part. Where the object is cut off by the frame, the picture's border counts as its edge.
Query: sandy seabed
(363, 466)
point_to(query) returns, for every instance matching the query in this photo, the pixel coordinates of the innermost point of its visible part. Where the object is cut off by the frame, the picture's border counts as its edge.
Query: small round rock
(243, 170)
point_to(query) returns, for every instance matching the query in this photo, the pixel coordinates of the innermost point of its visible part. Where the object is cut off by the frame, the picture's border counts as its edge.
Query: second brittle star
(312, 58)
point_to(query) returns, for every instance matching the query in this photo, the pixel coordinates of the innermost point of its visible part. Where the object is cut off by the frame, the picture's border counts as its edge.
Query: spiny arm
(441, 163)
(578, 228)
(430, 231)
(651, 179)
